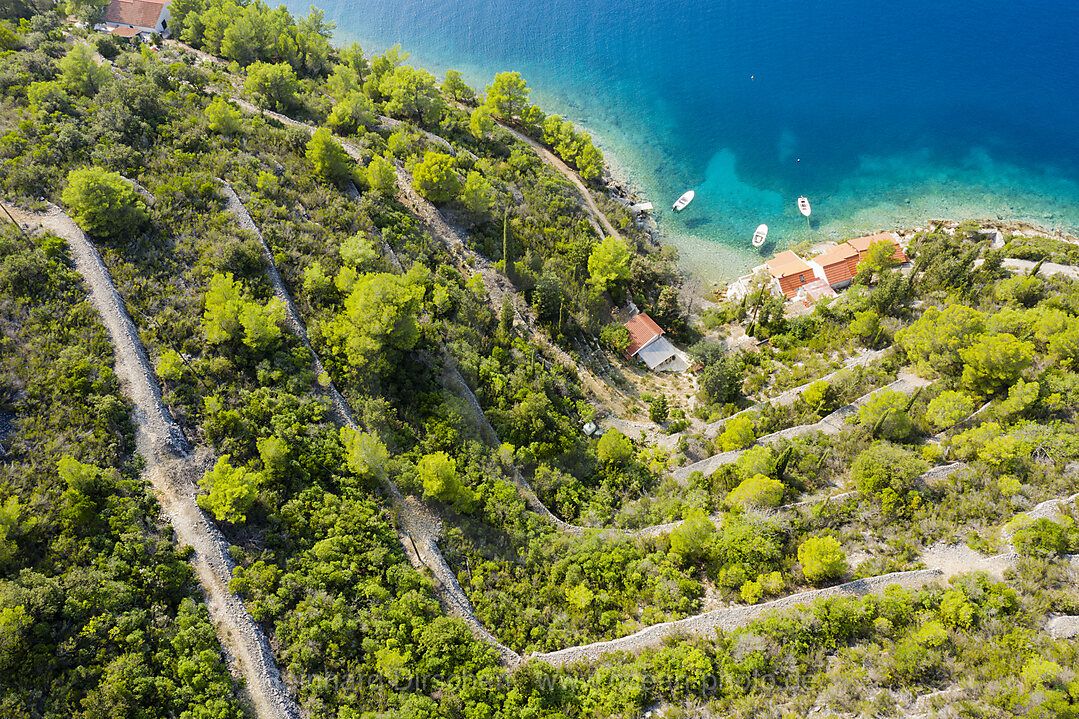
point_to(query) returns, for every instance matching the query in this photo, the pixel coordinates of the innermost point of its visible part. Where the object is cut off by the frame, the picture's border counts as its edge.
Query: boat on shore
(803, 206)
(685, 199)
(760, 235)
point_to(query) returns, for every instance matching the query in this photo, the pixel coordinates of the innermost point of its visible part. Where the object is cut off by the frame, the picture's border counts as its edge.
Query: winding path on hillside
(831, 424)
(173, 472)
(418, 528)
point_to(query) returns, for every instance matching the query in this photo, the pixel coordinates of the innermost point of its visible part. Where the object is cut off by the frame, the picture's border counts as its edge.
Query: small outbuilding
(647, 343)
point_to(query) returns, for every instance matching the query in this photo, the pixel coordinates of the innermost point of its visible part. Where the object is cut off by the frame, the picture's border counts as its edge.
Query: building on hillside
(128, 18)
(789, 272)
(836, 265)
(647, 343)
(862, 244)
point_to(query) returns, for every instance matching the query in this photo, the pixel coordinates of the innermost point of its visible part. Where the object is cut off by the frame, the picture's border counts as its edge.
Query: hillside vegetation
(446, 281)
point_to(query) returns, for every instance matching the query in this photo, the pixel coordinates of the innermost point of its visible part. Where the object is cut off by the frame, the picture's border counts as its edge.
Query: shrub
(885, 466)
(105, 204)
(737, 433)
(757, 491)
(822, 559)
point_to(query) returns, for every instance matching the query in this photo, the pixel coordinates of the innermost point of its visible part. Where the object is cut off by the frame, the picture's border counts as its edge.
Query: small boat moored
(685, 199)
(760, 235)
(803, 206)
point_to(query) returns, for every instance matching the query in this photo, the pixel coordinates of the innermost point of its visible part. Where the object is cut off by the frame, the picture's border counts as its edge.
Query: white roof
(656, 352)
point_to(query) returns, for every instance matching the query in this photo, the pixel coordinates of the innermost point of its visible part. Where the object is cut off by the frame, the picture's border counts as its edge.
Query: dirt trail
(173, 472)
(556, 162)
(418, 528)
(730, 618)
(830, 424)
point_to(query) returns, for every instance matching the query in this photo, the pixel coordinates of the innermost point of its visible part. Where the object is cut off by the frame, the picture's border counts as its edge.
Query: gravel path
(173, 473)
(728, 619)
(418, 528)
(556, 162)
(831, 424)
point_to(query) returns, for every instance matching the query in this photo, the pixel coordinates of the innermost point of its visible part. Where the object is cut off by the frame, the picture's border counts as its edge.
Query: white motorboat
(685, 199)
(760, 235)
(803, 206)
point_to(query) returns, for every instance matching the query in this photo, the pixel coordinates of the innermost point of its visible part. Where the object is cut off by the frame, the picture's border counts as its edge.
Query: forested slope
(440, 246)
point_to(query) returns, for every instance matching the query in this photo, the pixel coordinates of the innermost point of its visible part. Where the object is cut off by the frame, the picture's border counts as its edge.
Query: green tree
(352, 55)
(658, 410)
(885, 415)
(343, 81)
(378, 318)
(455, 87)
(272, 85)
(262, 324)
(614, 448)
(1064, 345)
(737, 433)
(721, 381)
(80, 73)
(478, 195)
(170, 366)
(758, 492)
(507, 96)
(547, 299)
(436, 178)
(222, 307)
(329, 158)
(13, 524)
(438, 472)
(412, 94)
(222, 117)
(480, 122)
(232, 491)
(105, 204)
(689, 540)
(879, 257)
(351, 113)
(819, 396)
(365, 453)
(589, 161)
(381, 176)
(609, 262)
(615, 336)
(884, 466)
(947, 408)
(995, 362)
(822, 559)
(15, 624)
(865, 326)
(938, 337)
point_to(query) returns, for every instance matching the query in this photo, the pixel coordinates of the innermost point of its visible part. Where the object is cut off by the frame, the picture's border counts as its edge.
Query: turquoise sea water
(884, 115)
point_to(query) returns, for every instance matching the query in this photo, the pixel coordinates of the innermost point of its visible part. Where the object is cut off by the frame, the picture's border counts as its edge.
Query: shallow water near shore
(884, 117)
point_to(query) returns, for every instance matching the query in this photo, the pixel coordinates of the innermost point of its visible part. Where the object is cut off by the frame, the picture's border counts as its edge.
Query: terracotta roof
(783, 258)
(795, 267)
(642, 330)
(138, 13)
(124, 31)
(862, 244)
(840, 263)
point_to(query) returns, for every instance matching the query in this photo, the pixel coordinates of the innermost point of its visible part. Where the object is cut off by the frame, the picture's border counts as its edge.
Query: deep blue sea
(883, 114)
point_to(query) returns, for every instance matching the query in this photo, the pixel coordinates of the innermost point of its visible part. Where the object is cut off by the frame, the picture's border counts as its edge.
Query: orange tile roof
(642, 330)
(862, 244)
(783, 258)
(794, 267)
(839, 263)
(139, 13)
(124, 31)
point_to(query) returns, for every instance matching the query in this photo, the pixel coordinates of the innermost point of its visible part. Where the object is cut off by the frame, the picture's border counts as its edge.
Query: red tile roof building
(642, 330)
(146, 15)
(790, 272)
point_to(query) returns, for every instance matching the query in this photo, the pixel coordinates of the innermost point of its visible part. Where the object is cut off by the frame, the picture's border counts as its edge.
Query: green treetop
(272, 85)
(80, 73)
(609, 262)
(507, 96)
(329, 158)
(822, 559)
(436, 179)
(232, 491)
(105, 204)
